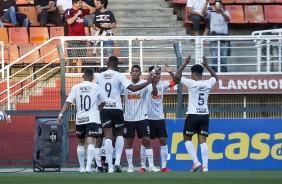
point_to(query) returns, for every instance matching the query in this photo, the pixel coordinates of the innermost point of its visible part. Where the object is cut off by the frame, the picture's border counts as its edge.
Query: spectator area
(245, 11)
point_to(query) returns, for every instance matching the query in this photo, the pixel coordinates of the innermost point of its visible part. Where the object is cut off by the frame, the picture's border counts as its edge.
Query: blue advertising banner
(244, 144)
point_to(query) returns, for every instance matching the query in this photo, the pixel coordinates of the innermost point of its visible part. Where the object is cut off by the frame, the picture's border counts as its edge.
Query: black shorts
(195, 123)
(142, 128)
(157, 128)
(89, 130)
(112, 118)
(77, 48)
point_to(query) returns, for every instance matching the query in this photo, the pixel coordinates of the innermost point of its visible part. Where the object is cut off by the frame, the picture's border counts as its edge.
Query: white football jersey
(87, 96)
(198, 94)
(135, 104)
(155, 103)
(111, 84)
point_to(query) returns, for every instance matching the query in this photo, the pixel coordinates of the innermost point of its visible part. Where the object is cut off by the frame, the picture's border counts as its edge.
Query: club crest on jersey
(108, 75)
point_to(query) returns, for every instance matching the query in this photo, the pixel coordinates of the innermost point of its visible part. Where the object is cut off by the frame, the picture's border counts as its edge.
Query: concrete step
(150, 24)
(147, 18)
(150, 31)
(135, 13)
(137, 5)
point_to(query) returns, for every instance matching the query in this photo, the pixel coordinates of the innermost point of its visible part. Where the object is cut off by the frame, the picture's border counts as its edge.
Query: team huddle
(101, 118)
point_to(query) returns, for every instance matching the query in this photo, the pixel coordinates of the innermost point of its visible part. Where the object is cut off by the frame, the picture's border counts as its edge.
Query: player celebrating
(197, 120)
(156, 116)
(111, 83)
(135, 116)
(89, 100)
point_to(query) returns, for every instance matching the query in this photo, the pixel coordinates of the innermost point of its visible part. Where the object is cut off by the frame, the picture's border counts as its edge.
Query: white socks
(129, 154)
(90, 155)
(143, 156)
(109, 152)
(80, 154)
(205, 154)
(164, 153)
(119, 147)
(191, 150)
(98, 157)
(150, 156)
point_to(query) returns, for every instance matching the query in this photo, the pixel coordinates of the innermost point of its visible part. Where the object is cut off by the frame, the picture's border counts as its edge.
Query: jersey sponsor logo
(108, 75)
(79, 133)
(83, 119)
(103, 18)
(157, 97)
(133, 96)
(201, 110)
(110, 104)
(79, 20)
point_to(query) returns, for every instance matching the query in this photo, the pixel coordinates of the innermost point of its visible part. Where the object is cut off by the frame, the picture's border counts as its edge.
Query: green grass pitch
(176, 177)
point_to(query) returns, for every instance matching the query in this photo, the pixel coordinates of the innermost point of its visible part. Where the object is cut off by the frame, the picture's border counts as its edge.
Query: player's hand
(205, 61)
(187, 60)
(151, 77)
(167, 68)
(101, 106)
(60, 118)
(8, 119)
(83, 4)
(79, 12)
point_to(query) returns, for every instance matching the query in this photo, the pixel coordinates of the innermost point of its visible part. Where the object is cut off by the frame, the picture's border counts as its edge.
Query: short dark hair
(197, 69)
(136, 66)
(104, 2)
(75, 1)
(113, 60)
(152, 67)
(88, 72)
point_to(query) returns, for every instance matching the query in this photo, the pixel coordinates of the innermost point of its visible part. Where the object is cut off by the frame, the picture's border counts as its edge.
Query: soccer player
(112, 82)
(197, 120)
(89, 100)
(136, 118)
(5, 114)
(156, 116)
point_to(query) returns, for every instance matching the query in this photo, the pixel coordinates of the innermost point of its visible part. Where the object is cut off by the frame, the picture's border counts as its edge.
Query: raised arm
(138, 87)
(178, 74)
(207, 66)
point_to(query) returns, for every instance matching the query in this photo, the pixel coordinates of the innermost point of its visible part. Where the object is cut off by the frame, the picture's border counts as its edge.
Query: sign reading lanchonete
(248, 144)
(258, 84)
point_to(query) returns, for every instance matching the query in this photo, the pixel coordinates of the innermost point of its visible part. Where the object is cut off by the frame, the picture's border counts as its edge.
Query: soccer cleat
(195, 167)
(89, 171)
(100, 170)
(117, 168)
(165, 170)
(153, 169)
(110, 170)
(130, 169)
(142, 170)
(81, 170)
(204, 169)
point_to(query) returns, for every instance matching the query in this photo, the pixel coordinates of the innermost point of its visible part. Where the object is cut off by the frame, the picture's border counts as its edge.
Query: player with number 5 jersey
(112, 83)
(197, 120)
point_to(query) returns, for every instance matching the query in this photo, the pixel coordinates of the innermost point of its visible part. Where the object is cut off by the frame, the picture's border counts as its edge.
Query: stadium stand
(22, 2)
(245, 1)
(273, 13)
(264, 1)
(254, 14)
(38, 35)
(30, 12)
(4, 35)
(228, 1)
(237, 14)
(18, 36)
